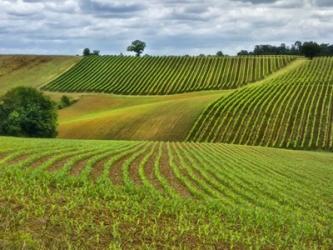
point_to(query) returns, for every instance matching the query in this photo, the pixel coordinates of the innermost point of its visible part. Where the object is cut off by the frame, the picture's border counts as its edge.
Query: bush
(27, 112)
(65, 102)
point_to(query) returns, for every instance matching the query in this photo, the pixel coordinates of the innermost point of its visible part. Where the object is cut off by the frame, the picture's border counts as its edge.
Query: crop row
(123, 194)
(293, 110)
(235, 175)
(164, 75)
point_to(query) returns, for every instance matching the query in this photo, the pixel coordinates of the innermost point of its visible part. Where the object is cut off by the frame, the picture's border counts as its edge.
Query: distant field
(167, 118)
(89, 194)
(31, 70)
(164, 75)
(292, 110)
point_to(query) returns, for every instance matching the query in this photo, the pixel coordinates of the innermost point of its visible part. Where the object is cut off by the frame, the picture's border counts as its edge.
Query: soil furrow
(167, 172)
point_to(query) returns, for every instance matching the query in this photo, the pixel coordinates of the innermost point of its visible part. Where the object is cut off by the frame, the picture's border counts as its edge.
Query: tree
(219, 53)
(310, 49)
(27, 112)
(298, 45)
(243, 53)
(137, 46)
(96, 52)
(86, 52)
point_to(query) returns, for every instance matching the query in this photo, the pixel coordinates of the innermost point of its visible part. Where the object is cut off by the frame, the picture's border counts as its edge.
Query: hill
(292, 110)
(164, 75)
(108, 194)
(167, 118)
(34, 71)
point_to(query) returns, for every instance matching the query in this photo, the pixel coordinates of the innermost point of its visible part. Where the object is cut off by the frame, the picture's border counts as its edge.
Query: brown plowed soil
(167, 172)
(18, 159)
(134, 168)
(116, 172)
(40, 161)
(77, 168)
(59, 164)
(97, 170)
(149, 171)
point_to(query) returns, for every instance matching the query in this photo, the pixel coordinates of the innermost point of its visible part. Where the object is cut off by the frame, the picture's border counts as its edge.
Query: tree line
(309, 49)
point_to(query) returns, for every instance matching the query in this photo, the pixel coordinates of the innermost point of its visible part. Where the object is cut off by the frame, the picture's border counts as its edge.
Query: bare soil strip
(59, 164)
(97, 170)
(40, 161)
(18, 159)
(77, 168)
(149, 171)
(167, 172)
(134, 168)
(116, 174)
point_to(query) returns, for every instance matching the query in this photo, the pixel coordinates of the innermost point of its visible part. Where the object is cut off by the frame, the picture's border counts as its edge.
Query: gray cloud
(168, 26)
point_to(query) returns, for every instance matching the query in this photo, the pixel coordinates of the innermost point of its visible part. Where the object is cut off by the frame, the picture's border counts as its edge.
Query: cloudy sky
(168, 26)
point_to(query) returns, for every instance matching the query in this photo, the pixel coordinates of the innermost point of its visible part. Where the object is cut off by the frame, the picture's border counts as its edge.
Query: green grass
(100, 194)
(33, 71)
(165, 75)
(169, 118)
(292, 110)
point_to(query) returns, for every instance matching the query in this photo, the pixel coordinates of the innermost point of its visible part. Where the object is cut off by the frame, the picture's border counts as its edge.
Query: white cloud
(168, 26)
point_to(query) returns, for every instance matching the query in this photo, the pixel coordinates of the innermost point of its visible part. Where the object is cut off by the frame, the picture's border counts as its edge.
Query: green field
(173, 170)
(292, 110)
(33, 71)
(164, 75)
(169, 118)
(95, 194)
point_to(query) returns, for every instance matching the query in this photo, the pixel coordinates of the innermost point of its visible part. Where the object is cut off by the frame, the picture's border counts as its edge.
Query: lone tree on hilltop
(27, 112)
(86, 52)
(137, 46)
(310, 49)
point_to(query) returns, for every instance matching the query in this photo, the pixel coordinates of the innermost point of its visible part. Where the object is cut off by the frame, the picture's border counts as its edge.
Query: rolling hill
(142, 194)
(292, 110)
(164, 75)
(33, 71)
(166, 118)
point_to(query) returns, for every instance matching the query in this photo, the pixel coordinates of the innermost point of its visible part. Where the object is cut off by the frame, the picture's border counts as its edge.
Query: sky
(169, 27)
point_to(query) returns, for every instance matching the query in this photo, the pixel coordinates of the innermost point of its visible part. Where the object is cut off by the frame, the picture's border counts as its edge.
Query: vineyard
(293, 110)
(164, 75)
(280, 198)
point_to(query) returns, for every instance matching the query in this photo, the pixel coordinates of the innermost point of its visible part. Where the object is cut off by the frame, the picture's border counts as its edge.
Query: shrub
(27, 112)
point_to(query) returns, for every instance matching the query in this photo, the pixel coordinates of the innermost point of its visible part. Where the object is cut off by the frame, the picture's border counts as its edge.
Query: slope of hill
(293, 110)
(32, 71)
(167, 118)
(164, 75)
(145, 193)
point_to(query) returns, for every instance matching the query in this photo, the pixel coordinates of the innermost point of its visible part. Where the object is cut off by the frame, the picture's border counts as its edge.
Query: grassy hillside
(167, 118)
(31, 71)
(99, 194)
(164, 75)
(293, 110)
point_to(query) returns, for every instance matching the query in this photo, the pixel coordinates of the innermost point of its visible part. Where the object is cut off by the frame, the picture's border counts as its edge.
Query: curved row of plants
(294, 110)
(279, 197)
(164, 75)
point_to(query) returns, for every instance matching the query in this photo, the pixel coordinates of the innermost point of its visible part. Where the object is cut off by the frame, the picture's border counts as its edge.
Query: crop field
(163, 194)
(292, 110)
(164, 75)
(32, 71)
